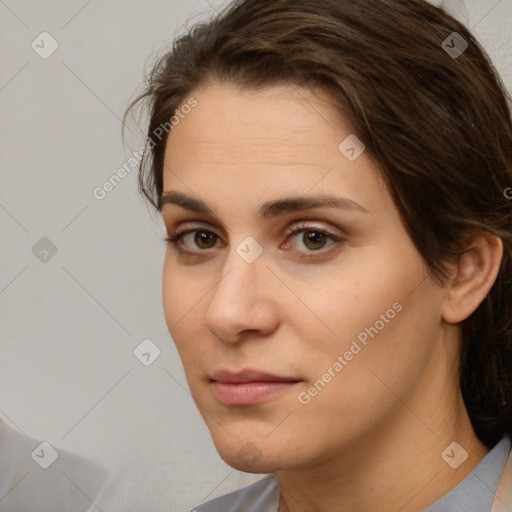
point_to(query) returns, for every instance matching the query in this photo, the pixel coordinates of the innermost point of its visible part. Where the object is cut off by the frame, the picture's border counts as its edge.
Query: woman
(332, 175)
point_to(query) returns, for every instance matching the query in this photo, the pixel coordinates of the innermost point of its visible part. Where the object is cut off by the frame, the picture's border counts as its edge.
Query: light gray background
(69, 326)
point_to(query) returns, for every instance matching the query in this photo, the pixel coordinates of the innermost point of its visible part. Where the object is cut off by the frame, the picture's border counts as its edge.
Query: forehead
(277, 141)
(279, 123)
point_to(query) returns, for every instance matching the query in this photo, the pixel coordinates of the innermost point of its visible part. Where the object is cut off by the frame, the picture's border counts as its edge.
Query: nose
(243, 300)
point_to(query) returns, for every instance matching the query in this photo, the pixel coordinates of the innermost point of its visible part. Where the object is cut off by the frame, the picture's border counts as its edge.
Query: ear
(473, 276)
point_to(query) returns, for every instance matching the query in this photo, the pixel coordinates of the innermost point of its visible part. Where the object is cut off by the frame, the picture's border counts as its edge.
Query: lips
(249, 376)
(249, 387)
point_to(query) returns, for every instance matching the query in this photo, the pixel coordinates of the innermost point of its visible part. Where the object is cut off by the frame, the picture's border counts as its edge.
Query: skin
(376, 431)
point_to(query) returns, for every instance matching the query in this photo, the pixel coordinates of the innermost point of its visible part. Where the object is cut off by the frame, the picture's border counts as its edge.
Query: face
(298, 321)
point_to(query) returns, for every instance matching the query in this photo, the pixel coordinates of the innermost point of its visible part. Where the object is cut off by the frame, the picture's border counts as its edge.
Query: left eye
(314, 239)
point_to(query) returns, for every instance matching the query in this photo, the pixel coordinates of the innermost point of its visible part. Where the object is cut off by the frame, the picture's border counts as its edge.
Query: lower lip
(248, 393)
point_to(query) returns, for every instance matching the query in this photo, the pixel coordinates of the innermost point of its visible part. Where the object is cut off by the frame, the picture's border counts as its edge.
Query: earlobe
(473, 277)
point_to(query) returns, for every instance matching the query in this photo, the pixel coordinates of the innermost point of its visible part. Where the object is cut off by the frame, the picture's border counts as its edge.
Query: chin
(252, 455)
(249, 460)
(257, 468)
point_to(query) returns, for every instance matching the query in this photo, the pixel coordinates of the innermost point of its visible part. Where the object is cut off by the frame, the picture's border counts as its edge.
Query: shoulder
(262, 496)
(36, 476)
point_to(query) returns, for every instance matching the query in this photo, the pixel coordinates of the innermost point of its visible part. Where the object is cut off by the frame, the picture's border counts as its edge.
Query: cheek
(180, 300)
(370, 316)
(171, 291)
(181, 290)
(384, 348)
(361, 338)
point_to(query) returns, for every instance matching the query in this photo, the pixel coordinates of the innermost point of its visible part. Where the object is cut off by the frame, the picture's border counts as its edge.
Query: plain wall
(69, 325)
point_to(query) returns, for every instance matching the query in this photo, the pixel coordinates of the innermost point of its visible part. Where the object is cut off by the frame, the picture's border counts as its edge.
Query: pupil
(203, 237)
(313, 237)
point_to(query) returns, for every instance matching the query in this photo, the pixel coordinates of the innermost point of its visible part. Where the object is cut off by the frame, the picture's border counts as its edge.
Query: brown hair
(438, 126)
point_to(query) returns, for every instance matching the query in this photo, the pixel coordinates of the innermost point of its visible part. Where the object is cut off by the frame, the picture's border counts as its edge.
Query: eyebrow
(268, 210)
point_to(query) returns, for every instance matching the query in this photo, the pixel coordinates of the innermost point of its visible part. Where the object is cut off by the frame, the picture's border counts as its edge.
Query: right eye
(202, 238)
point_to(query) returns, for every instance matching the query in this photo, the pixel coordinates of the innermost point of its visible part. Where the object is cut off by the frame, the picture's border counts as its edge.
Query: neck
(398, 465)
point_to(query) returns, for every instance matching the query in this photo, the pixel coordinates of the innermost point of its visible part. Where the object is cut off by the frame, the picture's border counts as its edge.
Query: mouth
(249, 387)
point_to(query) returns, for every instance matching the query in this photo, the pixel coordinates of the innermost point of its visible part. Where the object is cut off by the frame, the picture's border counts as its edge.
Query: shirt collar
(476, 492)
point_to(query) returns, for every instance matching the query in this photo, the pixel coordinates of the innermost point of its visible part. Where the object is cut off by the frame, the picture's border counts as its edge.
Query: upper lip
(248, 375)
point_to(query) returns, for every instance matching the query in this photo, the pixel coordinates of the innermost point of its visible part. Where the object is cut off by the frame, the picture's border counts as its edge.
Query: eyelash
(176, 238)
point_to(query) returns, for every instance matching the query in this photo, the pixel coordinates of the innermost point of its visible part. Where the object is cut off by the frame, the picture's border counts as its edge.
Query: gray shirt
(474, 494)
(35, 477)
